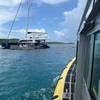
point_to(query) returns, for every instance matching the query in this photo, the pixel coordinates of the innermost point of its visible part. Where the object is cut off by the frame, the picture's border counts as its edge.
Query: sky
(59, 18)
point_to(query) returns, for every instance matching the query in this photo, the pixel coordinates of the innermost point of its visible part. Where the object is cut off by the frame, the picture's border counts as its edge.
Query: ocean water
(32, 74)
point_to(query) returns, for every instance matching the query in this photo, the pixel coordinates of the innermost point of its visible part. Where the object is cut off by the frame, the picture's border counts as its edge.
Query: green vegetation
(15, 40)
(59, 43)
(56, 43)
(8, 40)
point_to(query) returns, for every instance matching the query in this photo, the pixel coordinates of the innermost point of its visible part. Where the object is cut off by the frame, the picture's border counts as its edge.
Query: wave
(42, 94)
(56, 79)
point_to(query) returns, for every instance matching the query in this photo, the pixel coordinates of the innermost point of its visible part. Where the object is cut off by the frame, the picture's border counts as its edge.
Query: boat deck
(69, 83)
(65, 86)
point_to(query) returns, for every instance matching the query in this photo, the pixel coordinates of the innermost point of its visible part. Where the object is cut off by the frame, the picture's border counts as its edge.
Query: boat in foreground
(65, 86)
(84, 82)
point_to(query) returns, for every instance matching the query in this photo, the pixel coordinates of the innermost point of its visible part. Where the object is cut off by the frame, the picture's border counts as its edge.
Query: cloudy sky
(60, 18)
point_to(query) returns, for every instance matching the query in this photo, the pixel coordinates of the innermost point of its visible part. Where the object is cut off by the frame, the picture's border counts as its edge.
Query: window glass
(96, 67)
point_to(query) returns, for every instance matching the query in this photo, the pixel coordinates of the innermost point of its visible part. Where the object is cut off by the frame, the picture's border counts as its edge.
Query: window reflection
(96, 66)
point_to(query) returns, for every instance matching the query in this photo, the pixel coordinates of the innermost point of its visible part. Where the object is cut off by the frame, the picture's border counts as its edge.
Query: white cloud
(18, 33)
(5, 16)
(38, 30)
(22, 32)
(59, 33)
(8, 10)
(9, 2)
(71, 21)
(53, 1)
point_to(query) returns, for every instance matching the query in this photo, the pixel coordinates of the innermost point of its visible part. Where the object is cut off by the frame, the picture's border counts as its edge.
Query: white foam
(56, 79)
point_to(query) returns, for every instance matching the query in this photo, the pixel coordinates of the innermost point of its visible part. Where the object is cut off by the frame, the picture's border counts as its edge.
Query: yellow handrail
(58, 93)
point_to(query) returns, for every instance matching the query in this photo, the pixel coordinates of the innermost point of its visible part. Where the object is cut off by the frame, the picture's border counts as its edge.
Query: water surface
(31, 74)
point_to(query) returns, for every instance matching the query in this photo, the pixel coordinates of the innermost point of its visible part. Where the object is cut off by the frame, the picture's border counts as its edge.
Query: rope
(14, 19)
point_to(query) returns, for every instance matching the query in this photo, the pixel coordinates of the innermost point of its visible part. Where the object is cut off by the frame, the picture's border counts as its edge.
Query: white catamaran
(33, 39)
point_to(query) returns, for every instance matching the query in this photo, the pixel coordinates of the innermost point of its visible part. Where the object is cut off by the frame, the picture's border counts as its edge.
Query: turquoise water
(31, 75)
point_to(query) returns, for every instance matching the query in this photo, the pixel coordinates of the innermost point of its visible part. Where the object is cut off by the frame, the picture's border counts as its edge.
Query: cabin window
(96, 67)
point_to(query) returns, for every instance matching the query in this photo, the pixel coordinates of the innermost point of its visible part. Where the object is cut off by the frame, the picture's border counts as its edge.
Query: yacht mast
(28, 15)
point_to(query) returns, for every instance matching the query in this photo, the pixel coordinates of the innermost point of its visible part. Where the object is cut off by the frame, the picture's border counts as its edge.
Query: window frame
(92, 66)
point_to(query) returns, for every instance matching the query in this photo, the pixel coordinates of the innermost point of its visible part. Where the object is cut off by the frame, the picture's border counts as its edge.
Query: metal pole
(28, 15)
